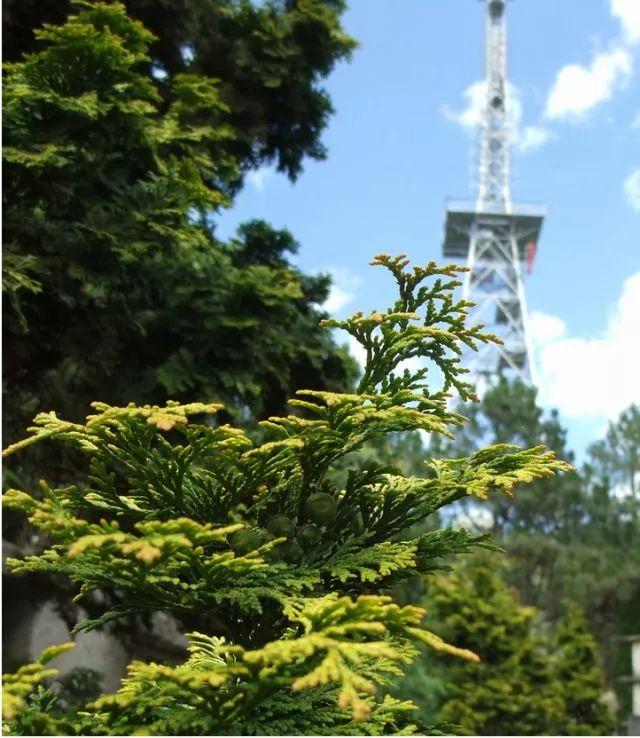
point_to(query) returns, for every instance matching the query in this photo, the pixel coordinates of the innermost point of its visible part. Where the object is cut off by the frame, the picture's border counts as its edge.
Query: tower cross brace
(495, 236)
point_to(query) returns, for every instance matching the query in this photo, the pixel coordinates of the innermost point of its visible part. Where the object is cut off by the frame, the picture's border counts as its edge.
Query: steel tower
(496, 236)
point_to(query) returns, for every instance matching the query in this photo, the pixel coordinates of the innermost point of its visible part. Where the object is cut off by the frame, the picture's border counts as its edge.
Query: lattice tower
(497, 237)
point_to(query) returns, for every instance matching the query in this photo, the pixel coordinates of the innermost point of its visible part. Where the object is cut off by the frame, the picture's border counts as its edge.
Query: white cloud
(578, 89)
(592, 378)
(533, 137)
(344, 285)
(631, 190)
(257, 178)
(470, 117)
(337, 299)
(628, 13)
(636, 121)
(544, 328)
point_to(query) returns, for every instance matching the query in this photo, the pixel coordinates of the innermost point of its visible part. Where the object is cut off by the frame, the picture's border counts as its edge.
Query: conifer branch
(250, 534)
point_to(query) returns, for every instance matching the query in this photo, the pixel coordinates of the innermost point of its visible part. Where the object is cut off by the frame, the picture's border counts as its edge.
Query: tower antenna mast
(494, 185)
(495, 236)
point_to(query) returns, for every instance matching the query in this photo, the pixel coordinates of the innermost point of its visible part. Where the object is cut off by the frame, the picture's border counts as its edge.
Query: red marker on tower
(531, 255)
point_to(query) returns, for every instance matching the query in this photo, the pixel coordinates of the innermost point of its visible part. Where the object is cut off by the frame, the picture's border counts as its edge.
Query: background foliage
(532, 679)
(572, 541)
(267, 60)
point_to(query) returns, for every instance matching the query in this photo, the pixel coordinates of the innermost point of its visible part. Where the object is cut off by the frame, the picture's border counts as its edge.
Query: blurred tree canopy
(573, 540)
(532, 679)
(120, 148)
(614, 462)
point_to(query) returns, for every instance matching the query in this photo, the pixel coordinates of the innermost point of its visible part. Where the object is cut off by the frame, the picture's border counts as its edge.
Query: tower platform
(463, 218)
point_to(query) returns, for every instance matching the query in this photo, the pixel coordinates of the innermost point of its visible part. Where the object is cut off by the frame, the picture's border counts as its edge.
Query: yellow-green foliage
(16, 688)
(249, 536)
(531, 679)
(348, 646)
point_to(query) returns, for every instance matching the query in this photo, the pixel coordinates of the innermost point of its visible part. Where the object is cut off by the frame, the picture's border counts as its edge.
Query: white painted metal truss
(494, 235)
(495, 285)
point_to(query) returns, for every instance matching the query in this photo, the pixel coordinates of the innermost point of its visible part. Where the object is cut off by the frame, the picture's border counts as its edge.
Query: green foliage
(48, 710)
(401, 451)
(509, 413)
(117, 287)
(580, 671)
(80, 685)
(608, 582)
(573, 540)
(528, 681)
(269, 58)
(344, 650)
(615, 460)
(154, 524)
(17, 688)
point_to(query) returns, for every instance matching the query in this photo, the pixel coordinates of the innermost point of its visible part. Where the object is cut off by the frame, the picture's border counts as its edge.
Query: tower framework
(495, 236)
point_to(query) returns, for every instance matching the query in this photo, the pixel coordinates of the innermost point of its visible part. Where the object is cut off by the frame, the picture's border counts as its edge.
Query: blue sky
(399, 145)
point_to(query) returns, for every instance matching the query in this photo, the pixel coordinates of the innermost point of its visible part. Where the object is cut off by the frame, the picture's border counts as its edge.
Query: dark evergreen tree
(579, 670)
(609, 580)
(529, 681)
(268, 59)
(573, 542)
(556, 534)
(111, 180)
(614, 462)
